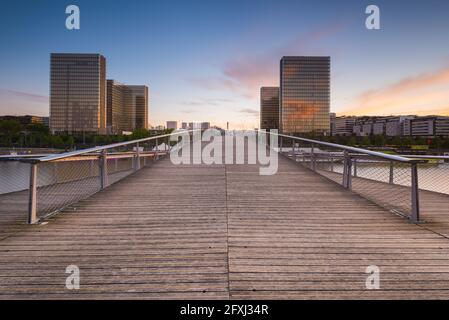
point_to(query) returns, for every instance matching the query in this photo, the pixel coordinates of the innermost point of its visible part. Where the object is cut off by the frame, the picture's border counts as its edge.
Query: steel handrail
(349, 160)
(348, 148)
(425, 156)
(100, 148)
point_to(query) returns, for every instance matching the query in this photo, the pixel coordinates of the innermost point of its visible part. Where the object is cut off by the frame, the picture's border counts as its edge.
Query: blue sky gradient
(206, 60)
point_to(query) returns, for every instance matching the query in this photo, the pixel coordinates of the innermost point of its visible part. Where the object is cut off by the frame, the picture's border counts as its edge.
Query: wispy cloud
(246, 72)
(5, 93)
(206, 102)
(14, 102)
(188, 111)
(415, 94)
(249, 111)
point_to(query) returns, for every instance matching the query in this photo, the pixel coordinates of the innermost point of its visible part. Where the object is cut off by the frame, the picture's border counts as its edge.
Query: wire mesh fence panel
(147, 155)
(434, 176)
(63, 182)
(119, 166)
(328, 161)
(300, 152)
(14, 192)
(14, 176)
(36, 187)
(385, 183)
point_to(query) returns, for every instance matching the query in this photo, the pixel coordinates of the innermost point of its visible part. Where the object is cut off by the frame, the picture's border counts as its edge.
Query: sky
(206, 60)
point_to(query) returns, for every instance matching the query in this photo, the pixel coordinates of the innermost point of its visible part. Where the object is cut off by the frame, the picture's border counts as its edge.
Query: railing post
(355, 167)
(349, 172)
(312, 157)
(32, 201)
(104, 169)
(332, 164)
(391, 180)
(137, 158)
(415, 194)
(157, 151)
(280, 145)
(347, 168)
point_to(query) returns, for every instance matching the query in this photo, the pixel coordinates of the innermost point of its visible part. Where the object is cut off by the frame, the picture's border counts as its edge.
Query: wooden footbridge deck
(224, 231)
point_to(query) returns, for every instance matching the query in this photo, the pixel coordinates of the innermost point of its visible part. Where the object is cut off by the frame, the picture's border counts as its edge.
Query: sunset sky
(206, 60)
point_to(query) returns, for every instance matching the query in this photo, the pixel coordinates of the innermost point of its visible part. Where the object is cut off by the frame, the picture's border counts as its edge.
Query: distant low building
(198, 125)
(396, 126)
(332, 117)
(392, 126)
(367, 126)
(380, 127)
(172, 125)
(344, 126)
(428, 126)
(26, 120)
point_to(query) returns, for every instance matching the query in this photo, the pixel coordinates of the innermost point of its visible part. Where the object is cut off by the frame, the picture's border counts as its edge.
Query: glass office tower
(127, 107)
(77, 93)
(139, 97)
(116, 107)
(269, 108)
(305, 95)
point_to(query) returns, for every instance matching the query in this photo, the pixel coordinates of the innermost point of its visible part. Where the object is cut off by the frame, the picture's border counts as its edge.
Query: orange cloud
(422, 94)
(244, 74)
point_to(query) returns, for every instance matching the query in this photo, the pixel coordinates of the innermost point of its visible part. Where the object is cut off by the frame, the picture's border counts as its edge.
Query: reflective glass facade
(138, 113)
(269, 108)
(127, 107)
(304, 95)
(77, 93)
(116, 99)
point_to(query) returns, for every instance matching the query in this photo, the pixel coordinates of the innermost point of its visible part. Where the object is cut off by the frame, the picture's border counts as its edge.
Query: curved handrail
(101, 148)
(46, 158)
(348, 148)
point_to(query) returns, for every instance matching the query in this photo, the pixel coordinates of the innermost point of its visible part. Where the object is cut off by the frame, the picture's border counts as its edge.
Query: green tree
(366, 141)
(352, 141)
(379, 140)
(10, 131)
(140, 134)
(36, 132)
(56, 142)
(38, 128)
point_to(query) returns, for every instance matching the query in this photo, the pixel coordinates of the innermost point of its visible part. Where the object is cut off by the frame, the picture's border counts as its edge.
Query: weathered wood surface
(219, 232)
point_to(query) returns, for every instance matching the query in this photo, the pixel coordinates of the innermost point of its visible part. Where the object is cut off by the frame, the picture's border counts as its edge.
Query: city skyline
(218, 73)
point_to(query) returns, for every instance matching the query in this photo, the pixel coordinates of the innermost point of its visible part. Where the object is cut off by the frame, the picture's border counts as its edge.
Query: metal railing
(390, 181)
(57, 181)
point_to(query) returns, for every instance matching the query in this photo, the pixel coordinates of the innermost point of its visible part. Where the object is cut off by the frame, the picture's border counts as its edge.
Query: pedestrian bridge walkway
(225, 232)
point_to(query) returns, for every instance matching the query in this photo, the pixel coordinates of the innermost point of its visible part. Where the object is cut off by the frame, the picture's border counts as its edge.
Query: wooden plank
(224, 231)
